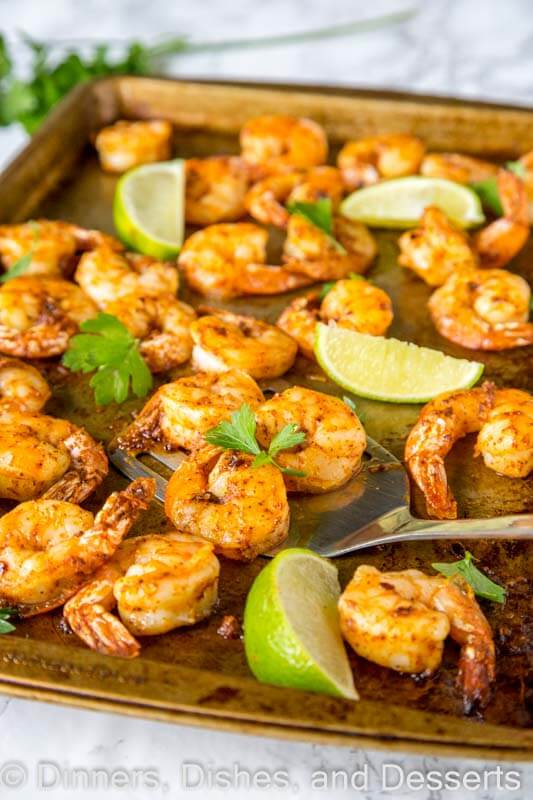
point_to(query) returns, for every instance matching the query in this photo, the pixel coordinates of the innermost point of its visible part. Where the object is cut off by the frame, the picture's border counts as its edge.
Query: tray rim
(11, 685)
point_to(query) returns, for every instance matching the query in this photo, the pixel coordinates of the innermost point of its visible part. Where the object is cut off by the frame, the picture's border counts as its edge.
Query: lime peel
(148, 208)
(388, 369)
(291, 628)
(400, 203)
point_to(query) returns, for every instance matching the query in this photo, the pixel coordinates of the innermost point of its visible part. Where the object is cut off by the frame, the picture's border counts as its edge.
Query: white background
(473, 48)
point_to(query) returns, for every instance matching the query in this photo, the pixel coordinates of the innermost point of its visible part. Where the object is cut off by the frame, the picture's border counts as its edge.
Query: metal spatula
(373, 508)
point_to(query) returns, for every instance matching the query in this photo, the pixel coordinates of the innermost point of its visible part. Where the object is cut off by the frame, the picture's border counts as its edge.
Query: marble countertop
(469, 48)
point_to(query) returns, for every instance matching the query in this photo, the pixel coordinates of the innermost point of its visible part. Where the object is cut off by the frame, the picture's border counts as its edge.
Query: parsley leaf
(479, 582)
(107, 348)
(238, 433)
(319, 214)
(5, 625)
(487, 190)
(18, 268)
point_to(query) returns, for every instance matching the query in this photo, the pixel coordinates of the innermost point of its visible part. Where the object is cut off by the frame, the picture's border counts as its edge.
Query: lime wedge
(400, 203)
(149, 208)
(291, 626)
(390, 370)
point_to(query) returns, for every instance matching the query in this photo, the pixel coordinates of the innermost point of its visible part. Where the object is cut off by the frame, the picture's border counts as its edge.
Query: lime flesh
(291, 628)
(149, 208)
(390, 370)
(400, 203)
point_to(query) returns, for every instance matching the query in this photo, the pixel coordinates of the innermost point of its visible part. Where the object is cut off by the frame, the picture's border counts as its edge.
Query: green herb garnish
(18, 268)
(319, 214)
(29, 101)
(238, 433)
(487, 190)
(479, 582)
(107, 346)
(5, 614)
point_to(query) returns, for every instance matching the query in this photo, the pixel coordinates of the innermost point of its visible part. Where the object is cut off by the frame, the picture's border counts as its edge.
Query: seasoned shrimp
(157, 583)
(457, 167)
(309, 251)
(179, 413)
(275, 144)
(505, 440)
(266, 200)
(443, 421)
(401, 619)
(22, 387)
(161, 323)
(504, 419)
(483, 309)
(500, 241)
(39, 315)
(44, 454)
(105, 276)
(228, 260)
(125, 144)
(353, 303)
(224, 341)
(49, 548)
(242, 510)
(358, 305)
(215, 189)
(436, 249)
(334, 442)
(367, 161)
(55, 246)
(299, 319)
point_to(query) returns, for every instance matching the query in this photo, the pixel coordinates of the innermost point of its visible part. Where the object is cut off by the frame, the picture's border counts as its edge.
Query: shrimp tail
(476, 674)
(103, 632)
(89, 468)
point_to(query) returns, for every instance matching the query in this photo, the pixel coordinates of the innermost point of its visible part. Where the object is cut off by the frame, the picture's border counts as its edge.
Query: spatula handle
(519, 526)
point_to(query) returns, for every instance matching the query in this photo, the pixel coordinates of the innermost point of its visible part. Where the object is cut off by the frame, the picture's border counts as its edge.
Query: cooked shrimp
(54, 246)
(228, 261)
(179, 413)
(401, 619)
(309, 251)
(500, 241)
(157, 583)
(126, 144)
(436, 249)
(22, 387)
(49, 548)
(353, 303)
(266, 200)
(334, 438)
(457, 167)
(274, 144)
(224, 341)
(483, 309)
(242, 510)
(443, 421)
(105, 276)
(39, 315)
(43, 454)
(161, 323)
(358, 305)
(299, 319)
(215, 189)
(506, 439)
(367, 161)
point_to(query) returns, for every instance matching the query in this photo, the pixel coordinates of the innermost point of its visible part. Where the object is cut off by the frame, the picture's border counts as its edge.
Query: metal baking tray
(193, 675)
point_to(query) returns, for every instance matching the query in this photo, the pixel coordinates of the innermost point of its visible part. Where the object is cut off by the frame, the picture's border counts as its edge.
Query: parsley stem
(179, 45)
